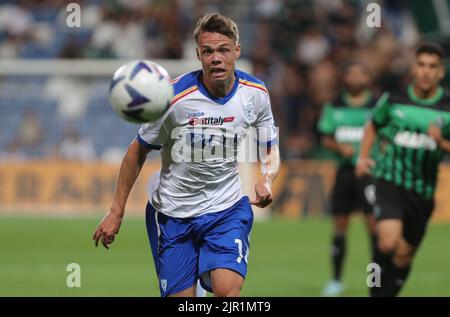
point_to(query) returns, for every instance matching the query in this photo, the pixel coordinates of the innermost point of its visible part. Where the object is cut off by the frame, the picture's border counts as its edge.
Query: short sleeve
(153, 135)
(326, 123)
(380, 114)
(265, 124)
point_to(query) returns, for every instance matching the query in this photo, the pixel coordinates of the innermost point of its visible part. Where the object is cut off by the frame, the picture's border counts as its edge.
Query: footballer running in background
(202, 220)
(341, 125)
(414, 130)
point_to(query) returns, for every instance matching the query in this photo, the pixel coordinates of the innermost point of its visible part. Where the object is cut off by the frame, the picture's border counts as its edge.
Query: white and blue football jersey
(198, 137)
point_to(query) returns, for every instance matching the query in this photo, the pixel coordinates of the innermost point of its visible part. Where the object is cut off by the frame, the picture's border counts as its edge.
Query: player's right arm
(380, 116)
(440, 132)
(129, 170)
(345, 150)
(365, 163)
(151, 136)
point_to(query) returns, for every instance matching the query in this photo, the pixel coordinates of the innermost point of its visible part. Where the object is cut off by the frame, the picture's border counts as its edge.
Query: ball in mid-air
(140, 91)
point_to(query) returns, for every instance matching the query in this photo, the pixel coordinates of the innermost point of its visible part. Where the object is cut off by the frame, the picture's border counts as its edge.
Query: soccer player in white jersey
(203, 221)
(152, 228)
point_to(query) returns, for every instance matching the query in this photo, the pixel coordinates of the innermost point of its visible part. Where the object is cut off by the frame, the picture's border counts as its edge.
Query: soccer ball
(140, 91)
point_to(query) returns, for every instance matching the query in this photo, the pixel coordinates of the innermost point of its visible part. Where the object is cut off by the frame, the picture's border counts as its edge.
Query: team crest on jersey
(248, 110)
(164, 285)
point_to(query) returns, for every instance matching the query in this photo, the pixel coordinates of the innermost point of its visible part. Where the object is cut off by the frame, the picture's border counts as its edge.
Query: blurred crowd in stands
(297, 47)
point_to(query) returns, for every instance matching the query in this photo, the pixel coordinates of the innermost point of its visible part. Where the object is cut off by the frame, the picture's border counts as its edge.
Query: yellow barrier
(66, 187)
(302, 188)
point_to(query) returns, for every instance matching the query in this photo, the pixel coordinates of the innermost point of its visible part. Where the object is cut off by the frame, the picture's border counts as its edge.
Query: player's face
(356, 79)
(427, 71)
(218, 54)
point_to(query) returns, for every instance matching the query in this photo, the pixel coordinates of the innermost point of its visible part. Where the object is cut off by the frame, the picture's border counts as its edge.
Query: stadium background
(60, 143)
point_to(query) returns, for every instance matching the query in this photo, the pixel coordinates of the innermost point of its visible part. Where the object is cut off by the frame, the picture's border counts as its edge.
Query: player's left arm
(270, 165)
(269, 154)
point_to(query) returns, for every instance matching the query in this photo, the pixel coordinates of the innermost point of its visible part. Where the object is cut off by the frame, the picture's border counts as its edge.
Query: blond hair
(217, 23)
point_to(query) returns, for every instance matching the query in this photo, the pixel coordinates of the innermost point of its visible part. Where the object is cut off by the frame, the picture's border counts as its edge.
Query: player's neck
(425, 94)
(357, 99)
(219, 90)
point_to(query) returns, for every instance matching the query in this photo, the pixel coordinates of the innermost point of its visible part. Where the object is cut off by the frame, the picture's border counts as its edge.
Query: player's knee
(403, 257)
(402, 260)
(387, 245)
(227, 291)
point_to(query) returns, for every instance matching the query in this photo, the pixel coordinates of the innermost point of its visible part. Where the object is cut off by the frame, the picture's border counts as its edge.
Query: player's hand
(107, 229)
(263, 193)
(346, 150)
(364, 166)
(435, 132)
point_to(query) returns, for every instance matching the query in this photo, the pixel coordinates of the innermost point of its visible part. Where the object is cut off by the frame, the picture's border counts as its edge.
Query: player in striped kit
(414, 131)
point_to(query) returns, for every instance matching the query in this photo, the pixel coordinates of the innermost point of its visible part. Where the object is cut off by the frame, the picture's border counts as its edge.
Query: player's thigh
(152, 232)
(389, 210)
(226, 282)
(343, 198)
(226, 244)
(177, 255)
(416, 220)
(371, 223)
(389, 233)
(367, 198)
(366, 193)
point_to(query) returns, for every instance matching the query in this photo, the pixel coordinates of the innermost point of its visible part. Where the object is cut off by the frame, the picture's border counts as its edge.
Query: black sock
(399, 276)
(392, 277)
(338, 254)
(384, 260)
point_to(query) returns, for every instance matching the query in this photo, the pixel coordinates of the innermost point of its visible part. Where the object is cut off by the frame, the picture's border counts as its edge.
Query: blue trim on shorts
(189, 246)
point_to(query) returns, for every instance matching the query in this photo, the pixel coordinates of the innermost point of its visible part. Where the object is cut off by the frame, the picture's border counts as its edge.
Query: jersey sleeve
(381, 112)
(153, 135)
(326, 123)
(267, 133)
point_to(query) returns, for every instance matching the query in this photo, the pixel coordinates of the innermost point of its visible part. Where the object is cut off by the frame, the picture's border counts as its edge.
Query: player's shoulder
(404, 97)
(250, 81)
(184, 85)
(372, 102)
(398, 96)
(444, 102)
(391, 96)
(446, 98)
(337, 102)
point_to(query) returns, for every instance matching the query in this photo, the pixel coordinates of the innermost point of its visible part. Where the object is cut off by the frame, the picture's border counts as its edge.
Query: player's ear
(197, 52)
(238, 50)
(441, 71)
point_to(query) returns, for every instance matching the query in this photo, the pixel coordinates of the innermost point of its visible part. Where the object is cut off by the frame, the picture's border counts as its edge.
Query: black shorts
(351, 193)
(394, 202)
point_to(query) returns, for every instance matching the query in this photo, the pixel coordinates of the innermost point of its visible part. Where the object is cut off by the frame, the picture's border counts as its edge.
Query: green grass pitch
(287, 258)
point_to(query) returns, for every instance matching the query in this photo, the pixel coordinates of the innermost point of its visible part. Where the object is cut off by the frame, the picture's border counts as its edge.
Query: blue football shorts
(187, 249)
